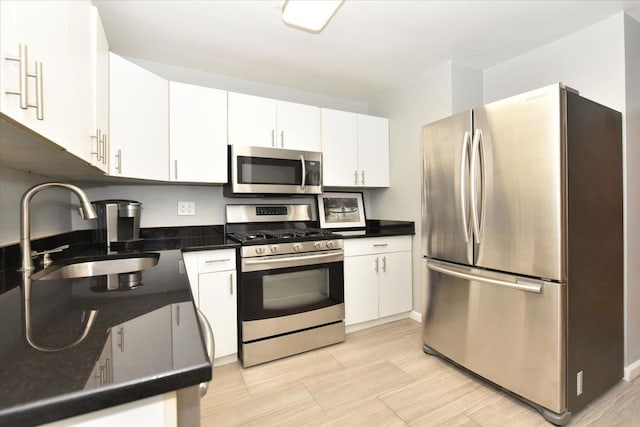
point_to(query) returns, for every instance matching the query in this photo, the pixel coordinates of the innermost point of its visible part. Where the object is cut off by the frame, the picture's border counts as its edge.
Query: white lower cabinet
(377, 278)
(212, 275)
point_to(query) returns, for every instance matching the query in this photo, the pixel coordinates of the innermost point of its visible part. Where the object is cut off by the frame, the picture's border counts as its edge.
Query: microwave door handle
(304, 173)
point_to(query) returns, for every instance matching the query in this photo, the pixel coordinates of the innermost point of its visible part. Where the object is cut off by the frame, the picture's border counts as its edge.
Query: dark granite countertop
(41, 386)
(379, 228)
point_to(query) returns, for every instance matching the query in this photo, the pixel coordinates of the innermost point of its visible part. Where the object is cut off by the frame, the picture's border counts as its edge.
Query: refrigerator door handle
(477, 149)
(529, 286)
(463, 190)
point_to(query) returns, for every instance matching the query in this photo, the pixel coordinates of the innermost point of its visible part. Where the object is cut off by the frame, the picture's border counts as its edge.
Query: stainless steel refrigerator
(522, 238)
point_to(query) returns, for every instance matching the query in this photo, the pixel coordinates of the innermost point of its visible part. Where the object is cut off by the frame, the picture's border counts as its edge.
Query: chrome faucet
(86, 211)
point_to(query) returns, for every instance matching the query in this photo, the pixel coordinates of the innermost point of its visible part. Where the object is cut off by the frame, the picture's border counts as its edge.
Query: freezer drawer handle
(535, 288)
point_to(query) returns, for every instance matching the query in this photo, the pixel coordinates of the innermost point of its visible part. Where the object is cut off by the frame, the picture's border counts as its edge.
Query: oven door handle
(266, 262)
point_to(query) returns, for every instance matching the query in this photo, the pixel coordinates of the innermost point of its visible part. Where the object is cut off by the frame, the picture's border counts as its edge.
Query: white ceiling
(368, 47)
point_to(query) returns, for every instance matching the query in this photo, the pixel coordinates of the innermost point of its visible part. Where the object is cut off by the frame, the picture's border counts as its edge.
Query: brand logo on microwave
(312, 163)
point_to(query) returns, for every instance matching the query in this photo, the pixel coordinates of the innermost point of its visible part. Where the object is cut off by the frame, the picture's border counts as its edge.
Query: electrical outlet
(186, 208)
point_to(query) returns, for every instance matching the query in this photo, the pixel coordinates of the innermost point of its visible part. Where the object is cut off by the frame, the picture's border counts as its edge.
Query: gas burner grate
(288, 233)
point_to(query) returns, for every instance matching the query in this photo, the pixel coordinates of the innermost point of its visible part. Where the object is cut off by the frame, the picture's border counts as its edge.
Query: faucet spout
(86, 211)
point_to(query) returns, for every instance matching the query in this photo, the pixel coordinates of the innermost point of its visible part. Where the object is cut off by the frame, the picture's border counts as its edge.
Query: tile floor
(381, 377)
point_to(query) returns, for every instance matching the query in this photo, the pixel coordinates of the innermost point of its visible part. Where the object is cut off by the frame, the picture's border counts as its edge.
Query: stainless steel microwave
(266, 170)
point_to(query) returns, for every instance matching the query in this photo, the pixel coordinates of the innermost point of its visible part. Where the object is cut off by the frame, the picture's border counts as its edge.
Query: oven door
(265, 170)
(281, 294)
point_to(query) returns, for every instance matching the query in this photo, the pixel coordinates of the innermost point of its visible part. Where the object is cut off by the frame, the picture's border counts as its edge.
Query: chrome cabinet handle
(362, 178)
(282, 139)
(119, 164)
(39, 92)
(121, 343)
(23, 90)
(231, 284)
(98, 139)
(177, 315)
(463, 189)
(376, 268)
(273, 137)
(175, 168)
(304, 173)
(355, 177)
(211, 261)
(22, 63)
(384, 263)
(380, 245)
(105, 148)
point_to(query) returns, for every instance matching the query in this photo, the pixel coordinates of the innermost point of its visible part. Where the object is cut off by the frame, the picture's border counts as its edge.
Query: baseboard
(376, 322)
(225, 360)
(416, 316)
(632, 371)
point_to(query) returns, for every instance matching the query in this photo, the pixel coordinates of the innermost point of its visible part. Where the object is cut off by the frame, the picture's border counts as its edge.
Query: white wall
(593, 62)
(160, 203)
(50, 209)
(427, 98)
(219, 81)
(632, 71)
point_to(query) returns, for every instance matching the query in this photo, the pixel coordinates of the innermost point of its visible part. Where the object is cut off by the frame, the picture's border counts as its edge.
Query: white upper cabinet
(373, 151)
(339, 148)
(55, 75)
(355, 149)
(252, 120)
(197, 133)
(138, 122)
(100, 92)
(267, 122)
(298, 126)
(79, 78)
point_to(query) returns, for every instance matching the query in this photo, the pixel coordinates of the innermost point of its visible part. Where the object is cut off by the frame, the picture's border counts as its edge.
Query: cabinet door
(339, 148)
(217, 296)
(198, 133)
(298, 126)
(373, 151)
(360, 289)
(139, 121)
(100, 74)
(42, 27)
(79, 99)
(252, 120)
(396, 287)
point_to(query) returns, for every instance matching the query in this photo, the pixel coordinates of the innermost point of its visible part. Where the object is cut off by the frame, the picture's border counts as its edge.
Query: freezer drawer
(509, 330)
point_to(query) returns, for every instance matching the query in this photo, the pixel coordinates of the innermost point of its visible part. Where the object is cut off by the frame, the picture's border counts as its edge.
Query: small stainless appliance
(118, 220)
(267, 170)
(291, 281)
(523, 252)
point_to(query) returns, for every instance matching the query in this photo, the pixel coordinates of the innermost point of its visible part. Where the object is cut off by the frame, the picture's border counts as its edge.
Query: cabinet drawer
(218, 260)
(376, 245)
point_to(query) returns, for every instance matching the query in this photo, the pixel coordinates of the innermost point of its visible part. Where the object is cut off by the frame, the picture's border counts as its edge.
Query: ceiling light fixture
(309, 15)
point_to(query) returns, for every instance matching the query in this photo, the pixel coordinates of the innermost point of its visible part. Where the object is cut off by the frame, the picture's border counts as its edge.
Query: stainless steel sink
(99, 266)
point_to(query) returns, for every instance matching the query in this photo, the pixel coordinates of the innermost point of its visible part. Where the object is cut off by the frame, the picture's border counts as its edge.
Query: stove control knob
(274, 249)
(317, 245)
(331, 244)
(260, 250)
(297, 247)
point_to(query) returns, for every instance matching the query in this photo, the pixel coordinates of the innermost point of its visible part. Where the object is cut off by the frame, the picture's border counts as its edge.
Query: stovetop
(265, 236)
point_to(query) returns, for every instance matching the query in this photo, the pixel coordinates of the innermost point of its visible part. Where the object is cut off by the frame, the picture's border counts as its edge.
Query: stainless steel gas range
(291, 281)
